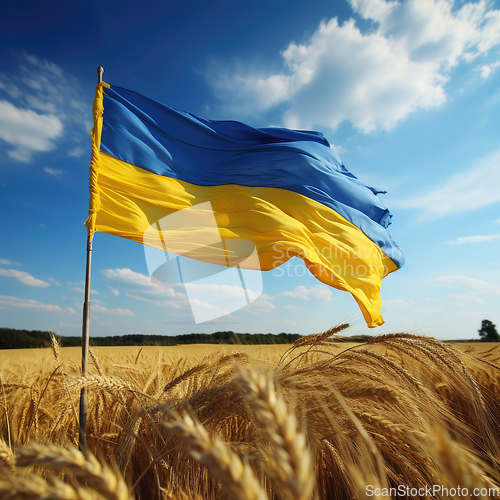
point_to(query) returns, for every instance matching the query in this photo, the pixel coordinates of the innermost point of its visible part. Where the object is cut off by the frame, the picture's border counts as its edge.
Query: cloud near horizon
(318, 292)
(9, 302)
(373, 79)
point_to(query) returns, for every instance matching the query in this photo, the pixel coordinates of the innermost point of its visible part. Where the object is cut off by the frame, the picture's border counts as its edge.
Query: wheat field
(401, 416)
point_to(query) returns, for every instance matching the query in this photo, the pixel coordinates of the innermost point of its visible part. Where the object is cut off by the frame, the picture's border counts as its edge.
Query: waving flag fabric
(286, 191)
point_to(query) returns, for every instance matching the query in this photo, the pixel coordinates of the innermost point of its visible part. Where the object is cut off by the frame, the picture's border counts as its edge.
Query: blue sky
(408, 92)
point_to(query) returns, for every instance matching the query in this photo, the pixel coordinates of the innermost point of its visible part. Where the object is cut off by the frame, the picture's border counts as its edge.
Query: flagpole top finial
(100, 71)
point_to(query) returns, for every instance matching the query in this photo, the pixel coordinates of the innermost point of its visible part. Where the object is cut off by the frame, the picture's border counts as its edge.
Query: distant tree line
(23, 339)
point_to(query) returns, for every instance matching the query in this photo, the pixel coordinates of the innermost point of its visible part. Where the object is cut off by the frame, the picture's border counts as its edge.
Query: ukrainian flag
(286, 191)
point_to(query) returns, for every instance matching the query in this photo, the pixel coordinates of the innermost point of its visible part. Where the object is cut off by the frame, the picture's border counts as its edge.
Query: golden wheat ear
(291, 460)
(95, 362)
(101, 478)
(36, 488)
(313, 340)
(319, 337)
(237, 478)
(6, 455)
(54, 344)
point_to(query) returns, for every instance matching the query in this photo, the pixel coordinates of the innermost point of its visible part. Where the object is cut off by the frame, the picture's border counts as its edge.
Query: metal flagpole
(82, 438)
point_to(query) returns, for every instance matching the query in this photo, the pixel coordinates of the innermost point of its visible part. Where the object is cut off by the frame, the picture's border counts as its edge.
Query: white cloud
(264, 296)
(375, 78)
(9, 302)
(27, 130)
(215, 290)
(131, 278)
(208, 311)
(318, 292)
(475, 239)
(477, 187)
(53, 171)
(114, 291)
(82, 290)
(427, 310)
(23, 277)
(293, 308)
(117, 311)
(63, 325)
(77, 151)
(126, 275)
(487, 69)
(224, 320)
(397, 303)
(6, 262)
(458, 281)
(435, 30)
(468, 297)
(339, 149)
(53, 280)
(171, 304)
(259, 306)
(38, 108)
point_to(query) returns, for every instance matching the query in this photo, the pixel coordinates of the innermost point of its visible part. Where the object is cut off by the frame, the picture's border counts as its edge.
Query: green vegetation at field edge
(23, 339)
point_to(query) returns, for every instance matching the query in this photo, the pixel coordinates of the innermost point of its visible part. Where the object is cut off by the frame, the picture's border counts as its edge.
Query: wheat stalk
(138, 355)
(4, 406)
(54, 344)
(293, 460)
(115, 386)
(95, 362)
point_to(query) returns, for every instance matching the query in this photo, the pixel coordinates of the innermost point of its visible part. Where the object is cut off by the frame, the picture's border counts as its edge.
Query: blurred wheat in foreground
(325, 422)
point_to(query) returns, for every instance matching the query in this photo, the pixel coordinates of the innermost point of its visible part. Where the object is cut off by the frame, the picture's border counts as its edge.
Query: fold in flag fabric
(286, 191)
